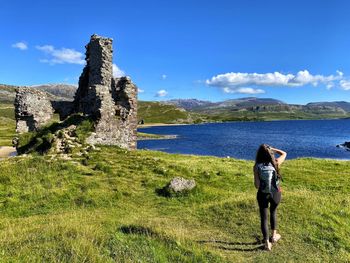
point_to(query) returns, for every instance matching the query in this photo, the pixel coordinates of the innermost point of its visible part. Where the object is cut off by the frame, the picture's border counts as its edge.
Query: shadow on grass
(167, 192)
(234, 246)
(138, 230)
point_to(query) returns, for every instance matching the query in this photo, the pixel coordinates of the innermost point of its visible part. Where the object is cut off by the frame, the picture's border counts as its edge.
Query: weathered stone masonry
(110, 102)
(32, 109)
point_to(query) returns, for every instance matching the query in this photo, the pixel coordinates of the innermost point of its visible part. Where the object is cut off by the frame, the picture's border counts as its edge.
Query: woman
(266, 180)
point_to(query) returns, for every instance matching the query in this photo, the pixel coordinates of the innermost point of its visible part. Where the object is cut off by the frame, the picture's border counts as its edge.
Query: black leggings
(263, 201)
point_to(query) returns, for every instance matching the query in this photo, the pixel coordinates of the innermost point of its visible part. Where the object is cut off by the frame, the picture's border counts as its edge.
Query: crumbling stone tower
(110, 102)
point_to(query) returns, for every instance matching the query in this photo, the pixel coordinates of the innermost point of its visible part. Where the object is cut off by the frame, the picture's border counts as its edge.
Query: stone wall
(32, 109)
(110, 103)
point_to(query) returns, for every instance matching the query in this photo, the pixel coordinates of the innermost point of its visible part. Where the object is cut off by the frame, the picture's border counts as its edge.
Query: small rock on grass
(179, 184)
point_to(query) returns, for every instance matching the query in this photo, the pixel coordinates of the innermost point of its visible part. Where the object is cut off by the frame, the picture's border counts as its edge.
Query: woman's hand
(282, 156)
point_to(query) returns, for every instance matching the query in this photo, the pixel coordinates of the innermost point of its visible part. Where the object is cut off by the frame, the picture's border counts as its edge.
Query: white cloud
(243, 90)
(140, 90)
(61, 56)
(237, 82)
(161, 93)
(345, 84)
(302, 78)
(20, 45)
(164, 76)
(117, 72)
(340, 73)
(330, 86)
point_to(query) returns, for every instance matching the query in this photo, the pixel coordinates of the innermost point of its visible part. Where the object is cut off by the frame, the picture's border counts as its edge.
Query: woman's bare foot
(268, 245)
(275, 237)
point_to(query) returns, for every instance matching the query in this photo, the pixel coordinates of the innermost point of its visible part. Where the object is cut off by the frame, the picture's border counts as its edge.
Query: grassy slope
(155, 112)
(108, 210)
(7, 124)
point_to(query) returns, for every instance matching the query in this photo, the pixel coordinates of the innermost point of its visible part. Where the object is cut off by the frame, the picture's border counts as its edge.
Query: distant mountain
(252, 108)
(56, 91)
(341, 104)
(189, 104)
(241, 103)
(59, 90)
(195, 111)
(194, 104)
(248, 102)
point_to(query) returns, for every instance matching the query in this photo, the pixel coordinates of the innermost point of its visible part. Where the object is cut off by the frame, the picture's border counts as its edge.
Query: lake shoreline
(141, 126)
(239, 140)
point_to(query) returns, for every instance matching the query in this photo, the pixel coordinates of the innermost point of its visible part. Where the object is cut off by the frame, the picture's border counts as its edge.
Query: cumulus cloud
(20, 45)
(140, 90)
(117, 72)
(61, 56)
(161, 93)
(243, 90)
(237, 82)
(345, 84)
(164, 76)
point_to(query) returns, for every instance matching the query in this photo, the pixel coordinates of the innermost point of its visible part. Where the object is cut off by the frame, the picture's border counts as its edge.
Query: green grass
(7, 124)
(104, 207)
(42, 141)
(148, 136)
(155, 112)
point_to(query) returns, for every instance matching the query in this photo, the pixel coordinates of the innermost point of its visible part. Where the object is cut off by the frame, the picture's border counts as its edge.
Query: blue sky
(295, 51)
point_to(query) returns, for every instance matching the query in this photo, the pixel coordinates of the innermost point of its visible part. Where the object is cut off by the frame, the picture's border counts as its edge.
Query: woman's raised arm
(282, 156)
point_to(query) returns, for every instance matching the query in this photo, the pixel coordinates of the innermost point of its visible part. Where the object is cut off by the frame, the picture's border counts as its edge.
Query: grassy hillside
(231, 110)
(155, 112)
(7, 123)
(104, 207)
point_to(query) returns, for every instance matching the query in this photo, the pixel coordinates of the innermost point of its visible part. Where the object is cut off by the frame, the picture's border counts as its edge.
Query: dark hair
(265, 155)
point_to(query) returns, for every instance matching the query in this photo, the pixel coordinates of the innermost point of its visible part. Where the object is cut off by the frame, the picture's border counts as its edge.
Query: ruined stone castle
(110, 102)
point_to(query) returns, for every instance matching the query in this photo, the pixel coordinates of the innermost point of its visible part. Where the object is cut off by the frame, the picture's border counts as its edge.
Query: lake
(302, 138)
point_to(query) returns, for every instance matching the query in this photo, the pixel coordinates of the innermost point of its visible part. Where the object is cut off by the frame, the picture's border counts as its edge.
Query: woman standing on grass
(266, 180)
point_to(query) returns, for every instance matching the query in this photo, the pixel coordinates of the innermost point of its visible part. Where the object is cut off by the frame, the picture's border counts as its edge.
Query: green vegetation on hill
(172, 112)
(7, 124)
(7, 93)
(155, 112)
(246, 115)
(104, 207)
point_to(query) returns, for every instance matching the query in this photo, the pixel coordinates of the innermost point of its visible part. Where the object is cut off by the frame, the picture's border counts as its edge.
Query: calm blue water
(316, 138)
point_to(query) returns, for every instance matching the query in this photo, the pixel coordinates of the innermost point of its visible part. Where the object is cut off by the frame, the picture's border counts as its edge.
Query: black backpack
(269, 181)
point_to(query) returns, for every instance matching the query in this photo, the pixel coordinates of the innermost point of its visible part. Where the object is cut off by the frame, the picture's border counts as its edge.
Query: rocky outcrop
(32, 109)
(345, 145)
(110, 103)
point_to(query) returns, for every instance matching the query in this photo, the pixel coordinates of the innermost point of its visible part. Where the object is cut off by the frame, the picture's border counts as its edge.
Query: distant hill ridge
(57, 91)
(197, 111)
(269, 103)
